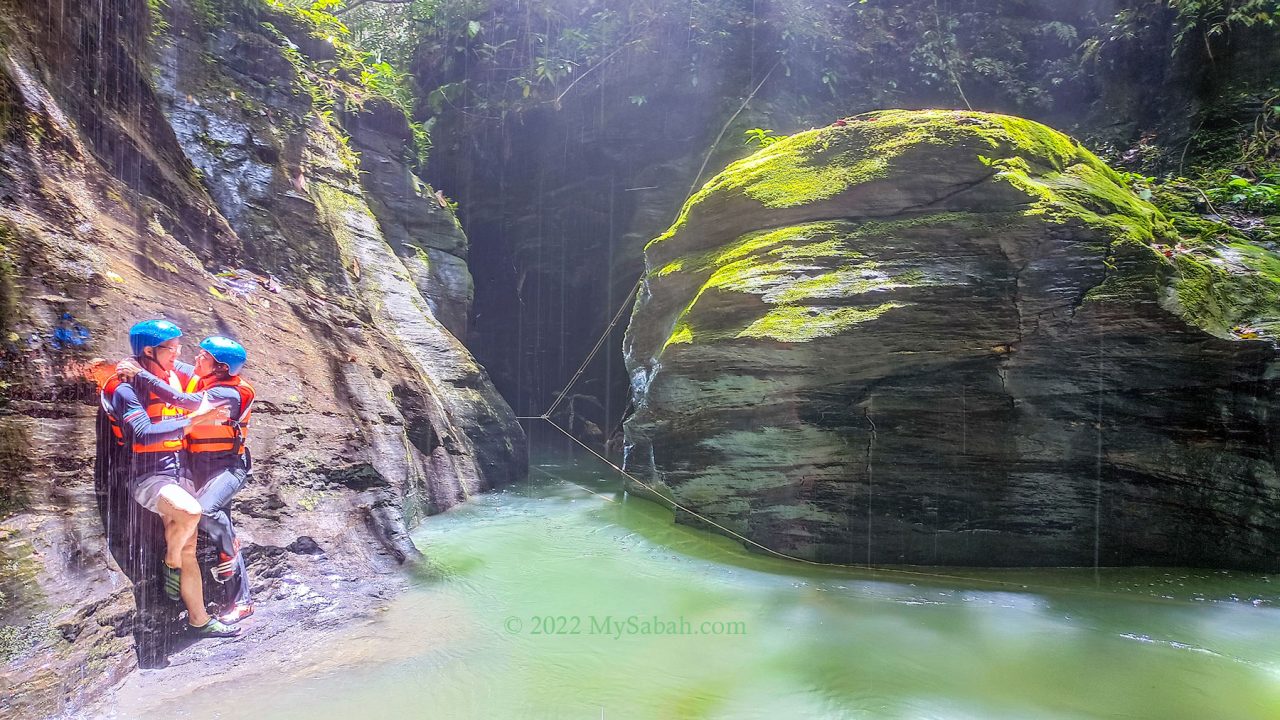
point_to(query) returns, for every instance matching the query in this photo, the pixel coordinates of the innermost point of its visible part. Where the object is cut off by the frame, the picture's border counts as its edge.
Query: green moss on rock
(793, 323)
(822, 163)
(1217, 287)
(795, 241)
(803, 274)
(1086, 191)
(1134, 273)
(1231, 290)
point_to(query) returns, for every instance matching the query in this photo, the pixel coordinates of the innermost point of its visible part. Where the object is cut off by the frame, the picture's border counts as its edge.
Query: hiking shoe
(172, 581)
(236, 614)
(213, 629)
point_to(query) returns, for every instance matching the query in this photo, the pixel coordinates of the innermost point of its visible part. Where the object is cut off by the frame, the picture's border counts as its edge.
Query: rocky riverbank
(196, 169)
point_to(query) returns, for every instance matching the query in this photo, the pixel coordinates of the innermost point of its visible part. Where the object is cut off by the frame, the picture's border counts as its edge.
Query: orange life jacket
(105, 396)
(157, 411)
(227, 436)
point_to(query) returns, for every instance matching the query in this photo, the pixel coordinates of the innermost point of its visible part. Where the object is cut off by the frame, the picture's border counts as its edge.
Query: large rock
(939, 337)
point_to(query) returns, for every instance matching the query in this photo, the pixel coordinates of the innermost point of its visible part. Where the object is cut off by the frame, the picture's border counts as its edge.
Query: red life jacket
(228, 436)
(157, 411)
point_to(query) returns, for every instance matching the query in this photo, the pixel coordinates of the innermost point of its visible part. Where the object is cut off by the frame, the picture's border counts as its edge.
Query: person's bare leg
(181, 512)
(193, 585)
(176, 533)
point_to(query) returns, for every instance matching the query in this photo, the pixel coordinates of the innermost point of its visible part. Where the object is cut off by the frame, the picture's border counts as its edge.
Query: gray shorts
(146, 490)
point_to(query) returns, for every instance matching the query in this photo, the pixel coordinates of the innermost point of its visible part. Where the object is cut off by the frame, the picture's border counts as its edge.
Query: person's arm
(145, 381)
(131, 412)
(129, 409)
(227, 397)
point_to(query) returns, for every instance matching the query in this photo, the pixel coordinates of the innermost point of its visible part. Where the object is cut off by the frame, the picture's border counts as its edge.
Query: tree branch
(625, 44)
(357, 3)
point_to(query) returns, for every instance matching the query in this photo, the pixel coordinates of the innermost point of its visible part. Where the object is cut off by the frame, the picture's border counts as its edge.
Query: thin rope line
(591, 356)
(725, 129)
(634, 288)
(869, 567)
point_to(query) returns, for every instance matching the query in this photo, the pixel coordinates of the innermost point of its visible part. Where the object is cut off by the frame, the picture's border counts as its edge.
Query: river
(566, 598)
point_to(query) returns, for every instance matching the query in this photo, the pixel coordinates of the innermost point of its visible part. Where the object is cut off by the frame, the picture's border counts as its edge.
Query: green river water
(563, 598)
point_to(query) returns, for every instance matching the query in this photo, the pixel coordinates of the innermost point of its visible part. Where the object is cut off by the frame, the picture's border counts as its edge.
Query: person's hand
(126, 369)
(209, 413)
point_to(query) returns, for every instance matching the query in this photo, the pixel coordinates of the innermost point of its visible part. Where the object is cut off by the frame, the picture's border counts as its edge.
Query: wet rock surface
(215, 193)
(952, 338)
(415, 220)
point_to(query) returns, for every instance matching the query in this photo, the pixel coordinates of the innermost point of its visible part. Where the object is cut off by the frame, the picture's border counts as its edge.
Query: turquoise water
(563, 598)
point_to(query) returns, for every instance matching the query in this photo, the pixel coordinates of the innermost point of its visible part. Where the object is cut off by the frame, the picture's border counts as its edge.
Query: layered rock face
(938, 337)
(212, 186)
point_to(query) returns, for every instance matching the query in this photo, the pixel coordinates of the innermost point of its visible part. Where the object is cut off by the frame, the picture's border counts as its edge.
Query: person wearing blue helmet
(217, 459)
(149, 435)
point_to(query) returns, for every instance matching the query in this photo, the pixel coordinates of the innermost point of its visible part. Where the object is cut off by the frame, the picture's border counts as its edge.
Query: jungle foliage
(512, 56)
(492, 60)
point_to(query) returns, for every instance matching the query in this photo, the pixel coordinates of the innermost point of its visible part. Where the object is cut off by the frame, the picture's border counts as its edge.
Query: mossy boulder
(940, 337)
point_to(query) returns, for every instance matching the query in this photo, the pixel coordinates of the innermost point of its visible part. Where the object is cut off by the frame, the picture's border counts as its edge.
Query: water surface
(564, 598)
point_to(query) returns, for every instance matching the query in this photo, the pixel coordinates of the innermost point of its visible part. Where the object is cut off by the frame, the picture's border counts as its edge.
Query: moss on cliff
(819, 164)
(20, 595)
(792, 242)
(344, 214)
(1218, 287)
(797, 272)
(1231, 289)
(1087, 192)
(798, 323)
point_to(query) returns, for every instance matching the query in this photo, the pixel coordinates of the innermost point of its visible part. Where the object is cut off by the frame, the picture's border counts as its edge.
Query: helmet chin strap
(150, 364)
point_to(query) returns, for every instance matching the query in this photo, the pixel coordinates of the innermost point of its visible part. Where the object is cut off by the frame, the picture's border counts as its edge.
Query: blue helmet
(150, 333)
(226, 351)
